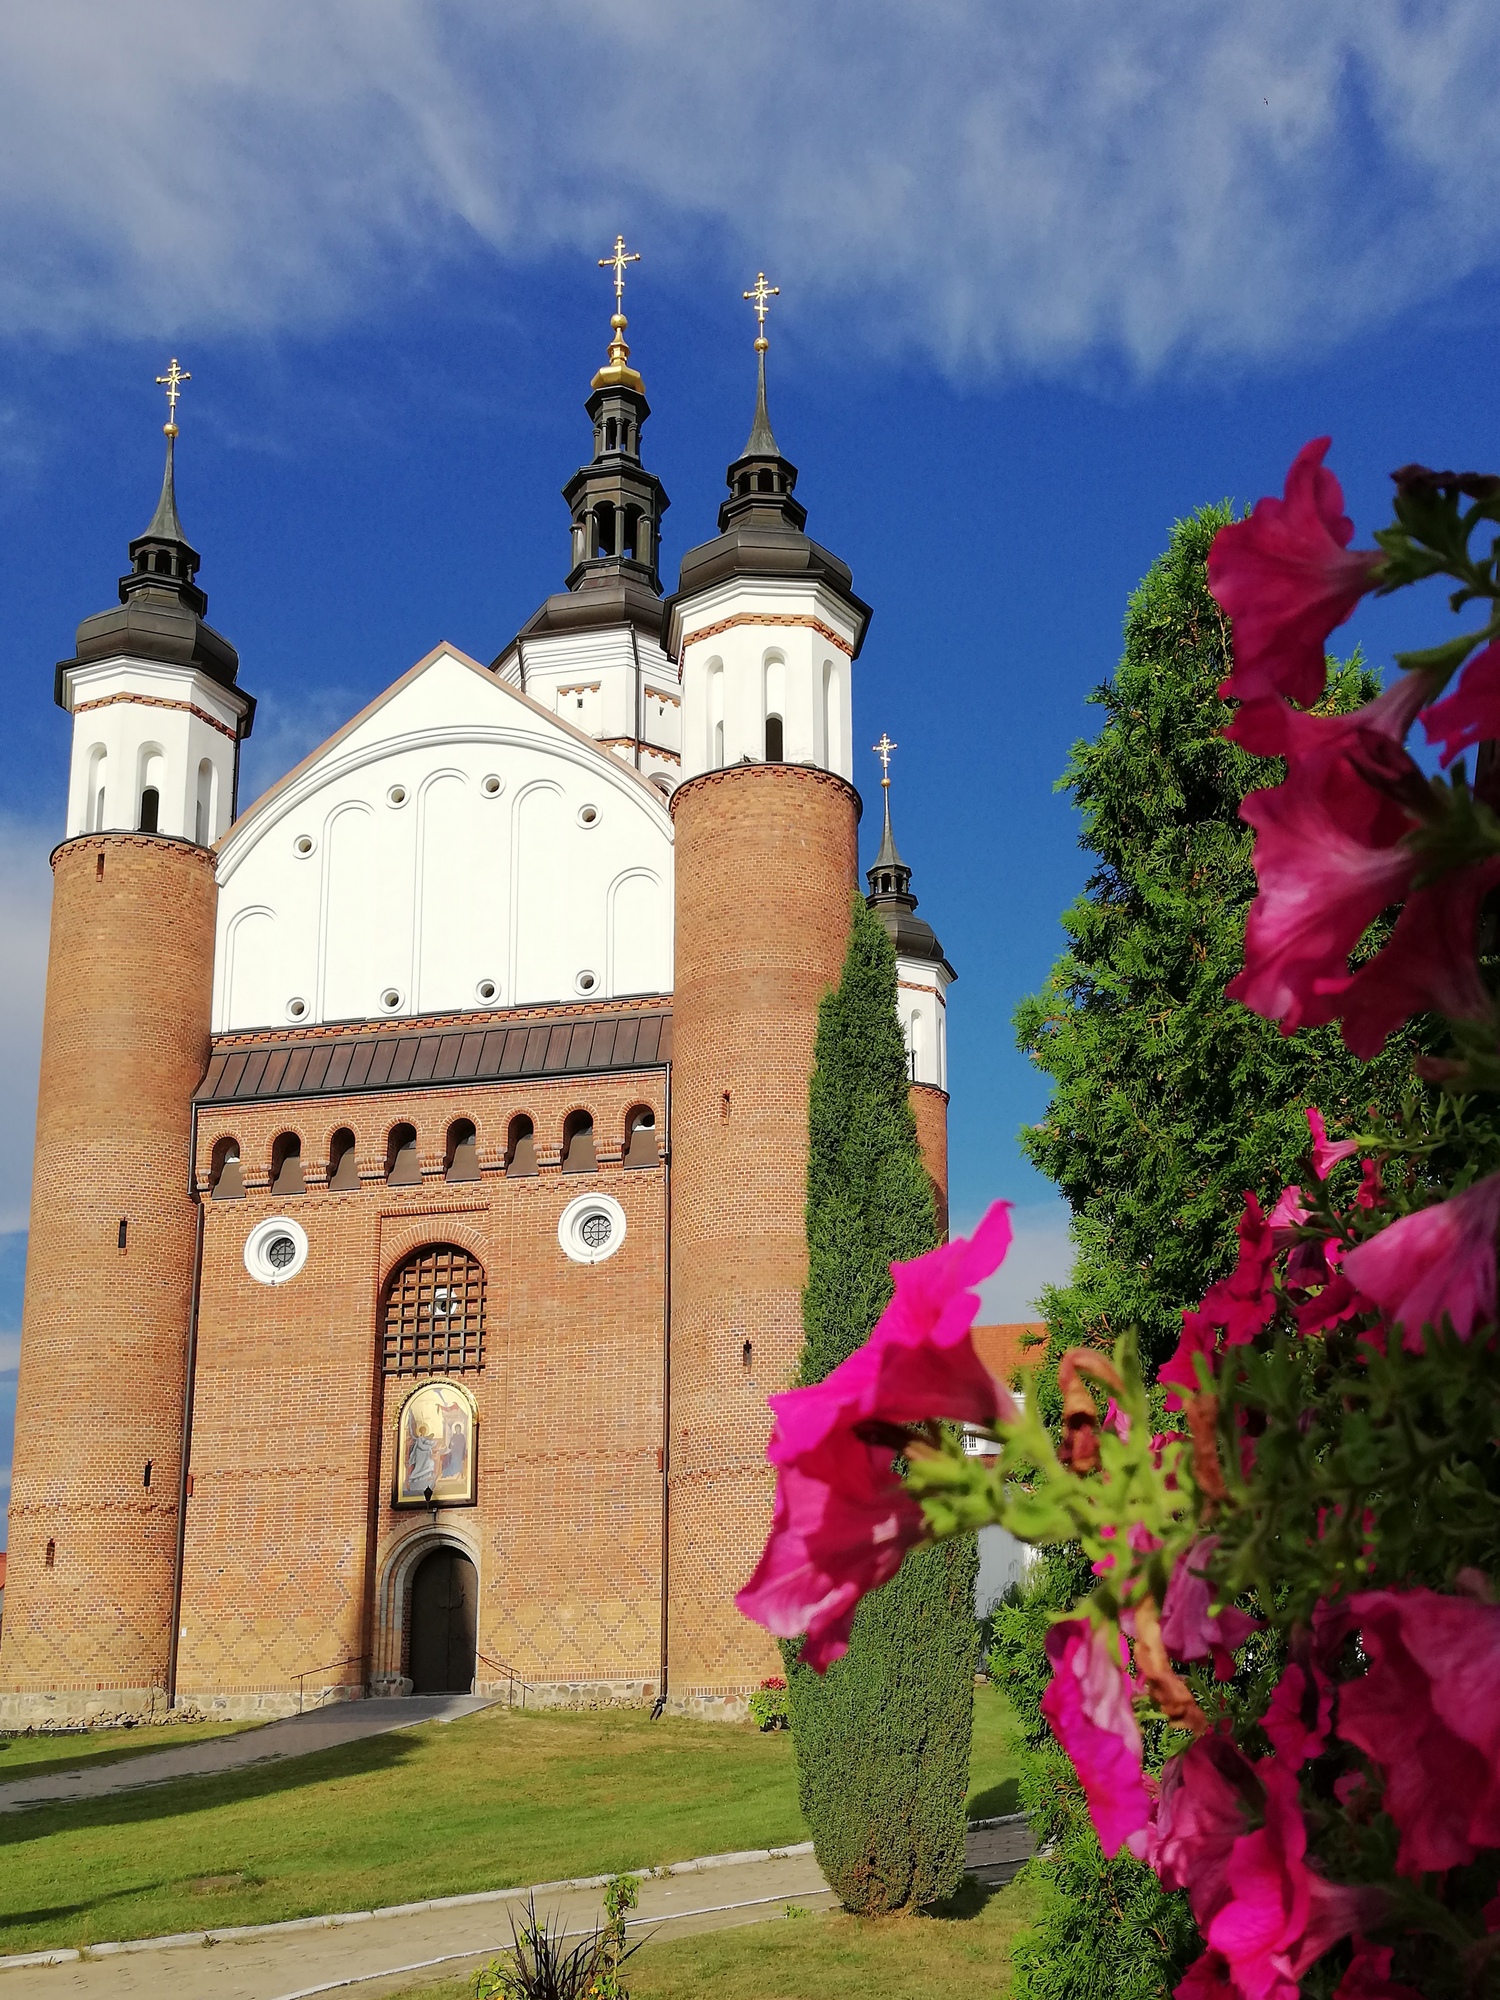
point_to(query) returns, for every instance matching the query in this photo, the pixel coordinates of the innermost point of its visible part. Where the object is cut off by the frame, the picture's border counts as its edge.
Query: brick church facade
(417, 1224)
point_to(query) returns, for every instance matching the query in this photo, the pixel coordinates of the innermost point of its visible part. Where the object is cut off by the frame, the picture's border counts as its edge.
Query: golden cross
(884, 747)
(172, 382)
(620, 259)
(760, 292)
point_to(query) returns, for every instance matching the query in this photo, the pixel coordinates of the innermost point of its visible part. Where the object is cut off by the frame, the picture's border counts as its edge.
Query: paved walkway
(371, 1954)
(297, 1736)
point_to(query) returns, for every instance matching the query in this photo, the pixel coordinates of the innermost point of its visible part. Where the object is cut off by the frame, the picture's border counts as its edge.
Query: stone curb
(240, 1931)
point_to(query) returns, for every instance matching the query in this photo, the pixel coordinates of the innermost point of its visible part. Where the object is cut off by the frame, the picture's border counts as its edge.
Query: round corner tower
(766, 626)
(97, 1480)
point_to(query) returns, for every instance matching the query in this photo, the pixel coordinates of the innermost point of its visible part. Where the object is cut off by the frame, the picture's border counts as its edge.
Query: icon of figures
(435, 1447)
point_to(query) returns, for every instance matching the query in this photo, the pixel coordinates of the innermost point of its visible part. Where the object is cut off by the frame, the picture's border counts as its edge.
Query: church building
(417, 1224)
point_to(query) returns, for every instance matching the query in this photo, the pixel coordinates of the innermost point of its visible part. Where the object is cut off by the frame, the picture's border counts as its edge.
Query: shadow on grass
(179, 1796)
(998, 1801)
(963, 1906)
(15, 1769)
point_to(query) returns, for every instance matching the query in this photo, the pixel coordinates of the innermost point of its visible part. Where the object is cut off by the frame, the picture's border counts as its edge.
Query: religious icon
(435, 1448)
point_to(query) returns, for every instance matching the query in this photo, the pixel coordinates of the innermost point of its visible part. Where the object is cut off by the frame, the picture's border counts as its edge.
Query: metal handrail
(356, 1660)
(513, 1678)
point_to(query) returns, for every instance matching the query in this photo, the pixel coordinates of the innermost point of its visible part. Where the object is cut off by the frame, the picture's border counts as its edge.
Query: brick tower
(767, 626)
(97, 1485)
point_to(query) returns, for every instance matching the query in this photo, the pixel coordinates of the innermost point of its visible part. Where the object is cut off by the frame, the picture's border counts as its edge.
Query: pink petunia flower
(1331, 853)
(1429, 965)
(1300, 1715)
(1191, 1627)
(1427, 1714)
(842, 1520)
(1287, 577)
(1207, 1978)
(1281, 1916)
(1369, 1976)
(1471, 714)
(1087, 1703)
(1239, 1306)
(1207, 1798)
(1438, 1263)
(1326, 1152)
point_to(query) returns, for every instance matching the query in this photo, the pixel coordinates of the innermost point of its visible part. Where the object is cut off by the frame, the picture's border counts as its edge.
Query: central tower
(766, 626)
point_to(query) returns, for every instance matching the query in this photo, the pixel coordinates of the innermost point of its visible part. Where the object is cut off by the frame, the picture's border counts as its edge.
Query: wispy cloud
(1041, 1253)
(994, 182)
(25, 912)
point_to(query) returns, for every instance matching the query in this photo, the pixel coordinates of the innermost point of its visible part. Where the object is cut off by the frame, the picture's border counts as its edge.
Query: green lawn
(50, 1751)
(497, 1799)
(962, 1949)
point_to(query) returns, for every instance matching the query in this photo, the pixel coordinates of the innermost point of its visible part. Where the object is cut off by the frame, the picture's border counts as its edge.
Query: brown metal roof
(531, 1042)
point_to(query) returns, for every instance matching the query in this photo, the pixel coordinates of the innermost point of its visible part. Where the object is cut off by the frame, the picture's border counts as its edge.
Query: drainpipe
(666, 1380)
(187, 1421)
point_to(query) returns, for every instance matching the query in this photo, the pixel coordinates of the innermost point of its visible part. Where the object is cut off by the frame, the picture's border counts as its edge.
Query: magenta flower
(1087, 1702)
(1208, 1797)
(1239, 1306)
(1436, 1264)
(1331, 854)
(1471, 714)
(1369, 1976)
(1298, 1719)
(842, 1520)
(1207, 1978)
(1430, 964)
(1287, 577)
(1191, 1627)
(1280, 1916)
(1326, 1152)
(1427, 1714)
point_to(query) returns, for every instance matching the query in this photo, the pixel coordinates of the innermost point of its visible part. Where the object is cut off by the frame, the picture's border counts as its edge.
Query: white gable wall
(391, 874)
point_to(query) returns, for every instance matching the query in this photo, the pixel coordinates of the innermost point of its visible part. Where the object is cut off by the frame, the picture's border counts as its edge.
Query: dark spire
(161, 610)
(762, 525)
(889, 878)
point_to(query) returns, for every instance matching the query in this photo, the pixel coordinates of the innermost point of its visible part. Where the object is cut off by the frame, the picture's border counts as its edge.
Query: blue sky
(1049, 280)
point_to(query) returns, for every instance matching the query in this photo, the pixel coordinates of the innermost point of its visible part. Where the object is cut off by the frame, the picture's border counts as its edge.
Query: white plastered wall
(616, 685)
(774, 644)
(134, 723)
(921, 1001)
(454, 847)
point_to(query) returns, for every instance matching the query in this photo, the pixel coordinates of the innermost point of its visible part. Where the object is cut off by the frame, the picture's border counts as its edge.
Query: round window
(396, 796)
(492, 786)
(591, 1228)
(275, 1250)
(296, 1008)
(588, 815)
(486, 989)
(390, 1000)
(587, 981)
(302, 846)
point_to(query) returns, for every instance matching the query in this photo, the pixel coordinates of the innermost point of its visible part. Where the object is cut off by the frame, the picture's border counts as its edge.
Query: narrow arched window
(227, 1179)
(49, 1560)
(773, 739)
(434, 1313)
(150, 809)
(203, 805)
(765, 483)
(578, 1144)
(343, 1163)
(286, 1165)
(403, 1163)
(611, 435)
(520, 1147)
(640, 1137)
(463, 1151)
(604, 527)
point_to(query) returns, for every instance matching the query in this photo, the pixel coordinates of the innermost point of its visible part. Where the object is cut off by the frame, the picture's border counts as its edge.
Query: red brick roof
(1004, 1349)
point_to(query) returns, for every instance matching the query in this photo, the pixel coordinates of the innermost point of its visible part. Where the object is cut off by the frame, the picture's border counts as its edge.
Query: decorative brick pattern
(105, 1330)
(766, 857)
(768, 618)
(148, 701)
(295, 1557)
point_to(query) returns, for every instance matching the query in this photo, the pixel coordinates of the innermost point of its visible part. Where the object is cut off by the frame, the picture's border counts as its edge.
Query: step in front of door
(995, 1849)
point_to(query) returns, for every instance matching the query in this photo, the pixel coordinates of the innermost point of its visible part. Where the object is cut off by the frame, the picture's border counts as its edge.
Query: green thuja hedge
(882, 1740)
(1168, 1102)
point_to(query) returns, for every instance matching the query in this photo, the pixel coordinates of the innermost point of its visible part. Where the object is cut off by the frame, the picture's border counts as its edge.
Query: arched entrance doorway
(444, 1617)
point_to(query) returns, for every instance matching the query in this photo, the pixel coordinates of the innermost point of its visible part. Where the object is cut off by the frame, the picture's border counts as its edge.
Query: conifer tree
(882, 1740)
(1169, 1102)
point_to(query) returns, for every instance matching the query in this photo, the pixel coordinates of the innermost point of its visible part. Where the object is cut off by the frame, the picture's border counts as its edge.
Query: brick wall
(296, 1558)
(103, 1356)
(765, 868)
(930, 1109)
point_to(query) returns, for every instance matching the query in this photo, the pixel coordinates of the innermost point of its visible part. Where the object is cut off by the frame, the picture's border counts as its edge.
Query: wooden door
(444, 1620)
